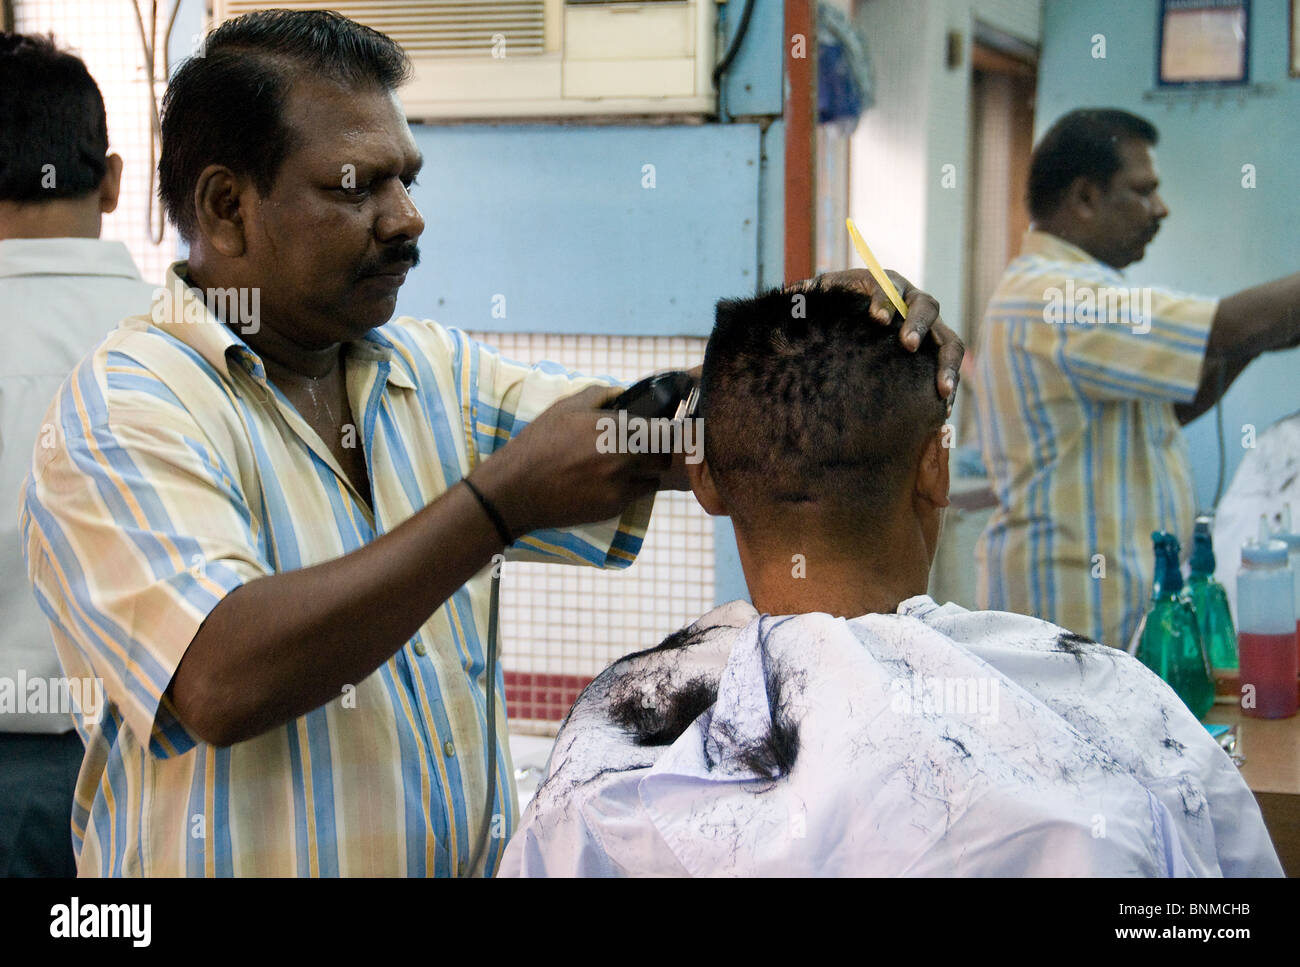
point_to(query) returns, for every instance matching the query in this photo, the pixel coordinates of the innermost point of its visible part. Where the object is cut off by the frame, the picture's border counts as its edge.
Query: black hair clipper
(671, 396)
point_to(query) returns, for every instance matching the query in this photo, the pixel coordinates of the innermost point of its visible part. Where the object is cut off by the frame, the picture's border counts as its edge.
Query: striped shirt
(1076, 377)
(177, 473)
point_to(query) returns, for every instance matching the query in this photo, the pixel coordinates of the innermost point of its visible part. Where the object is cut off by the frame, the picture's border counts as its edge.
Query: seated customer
(868, 730)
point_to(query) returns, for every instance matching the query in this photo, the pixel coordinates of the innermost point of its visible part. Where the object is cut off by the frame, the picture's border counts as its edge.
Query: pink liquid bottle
(1266, 630)
(1291, 537)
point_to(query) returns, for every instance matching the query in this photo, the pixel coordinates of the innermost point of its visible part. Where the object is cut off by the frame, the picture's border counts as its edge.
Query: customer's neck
(788, 571)
(58, 218)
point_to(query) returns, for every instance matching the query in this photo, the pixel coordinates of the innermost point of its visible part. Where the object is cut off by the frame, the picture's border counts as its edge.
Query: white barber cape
(932, 742)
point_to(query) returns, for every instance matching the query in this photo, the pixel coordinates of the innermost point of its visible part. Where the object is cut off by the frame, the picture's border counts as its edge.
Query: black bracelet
(502, 531)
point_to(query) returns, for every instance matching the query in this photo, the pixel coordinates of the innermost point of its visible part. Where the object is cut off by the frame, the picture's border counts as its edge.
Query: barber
(1083, 383)
(270, 533)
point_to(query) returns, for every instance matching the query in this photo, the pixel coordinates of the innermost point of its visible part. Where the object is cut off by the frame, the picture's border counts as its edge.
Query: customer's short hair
(53, 132)
(226, 104)
(806, 397)
(1082, 144)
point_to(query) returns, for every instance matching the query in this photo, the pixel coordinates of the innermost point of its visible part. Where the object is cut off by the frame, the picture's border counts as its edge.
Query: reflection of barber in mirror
(1083, 381)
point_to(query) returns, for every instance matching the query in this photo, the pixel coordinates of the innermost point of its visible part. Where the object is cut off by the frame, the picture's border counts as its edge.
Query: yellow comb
(874, 268)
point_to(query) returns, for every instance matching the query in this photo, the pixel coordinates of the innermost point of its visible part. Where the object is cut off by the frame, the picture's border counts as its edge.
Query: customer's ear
(111, 185)
(705, 488)
(932, 471)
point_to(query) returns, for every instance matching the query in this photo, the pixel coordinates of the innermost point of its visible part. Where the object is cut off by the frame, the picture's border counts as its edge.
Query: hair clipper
(672, 396)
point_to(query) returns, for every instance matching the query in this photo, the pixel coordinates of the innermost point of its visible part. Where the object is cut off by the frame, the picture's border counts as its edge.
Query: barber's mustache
(407, 253)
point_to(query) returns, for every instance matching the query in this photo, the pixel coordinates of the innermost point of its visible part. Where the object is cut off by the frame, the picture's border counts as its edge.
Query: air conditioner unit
(539, 58)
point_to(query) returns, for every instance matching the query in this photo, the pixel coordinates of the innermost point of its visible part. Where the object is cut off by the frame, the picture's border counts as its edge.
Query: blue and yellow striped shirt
(1076, 377)
(176, 473)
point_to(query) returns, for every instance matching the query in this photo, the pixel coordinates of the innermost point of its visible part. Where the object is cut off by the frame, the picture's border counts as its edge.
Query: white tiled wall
(575, 621)
(104, 34)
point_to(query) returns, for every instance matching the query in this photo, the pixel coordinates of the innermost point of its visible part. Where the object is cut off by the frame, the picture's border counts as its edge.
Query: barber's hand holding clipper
(553, 474)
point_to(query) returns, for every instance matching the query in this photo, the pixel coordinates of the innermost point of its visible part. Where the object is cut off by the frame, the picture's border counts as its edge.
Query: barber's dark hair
(51, 113)
(806, 397)
(225, 105)
(1082, 144)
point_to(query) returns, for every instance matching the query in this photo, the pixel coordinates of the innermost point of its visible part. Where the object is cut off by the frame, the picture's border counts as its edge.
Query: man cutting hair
(267, 512)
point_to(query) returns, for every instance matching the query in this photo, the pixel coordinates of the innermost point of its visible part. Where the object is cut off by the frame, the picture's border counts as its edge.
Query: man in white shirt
(865, 730)
(61, 290)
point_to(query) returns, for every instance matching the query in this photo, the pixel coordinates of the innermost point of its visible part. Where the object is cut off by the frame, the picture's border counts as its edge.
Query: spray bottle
(1213, 616)
(1171, 642)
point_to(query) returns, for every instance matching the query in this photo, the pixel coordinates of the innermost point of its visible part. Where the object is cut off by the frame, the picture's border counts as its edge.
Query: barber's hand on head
(553, 475)
(922, 318)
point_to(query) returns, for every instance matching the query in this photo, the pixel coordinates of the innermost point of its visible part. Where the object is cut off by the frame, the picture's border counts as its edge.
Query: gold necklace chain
(316, 403)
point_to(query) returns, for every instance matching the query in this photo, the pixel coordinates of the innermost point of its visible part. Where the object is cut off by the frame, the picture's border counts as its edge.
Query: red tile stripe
(542, 698)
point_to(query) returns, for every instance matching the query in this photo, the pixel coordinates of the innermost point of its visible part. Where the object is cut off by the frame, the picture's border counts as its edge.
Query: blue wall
(556, 218)
(1220, 237)
(560, 221)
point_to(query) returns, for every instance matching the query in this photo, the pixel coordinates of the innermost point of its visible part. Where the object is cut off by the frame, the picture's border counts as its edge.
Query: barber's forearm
(285, 644)
(1213, 386)
(1248, 323)
(1257, 320)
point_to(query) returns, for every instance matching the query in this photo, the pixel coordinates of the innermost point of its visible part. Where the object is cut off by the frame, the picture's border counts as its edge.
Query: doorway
(1003, 81)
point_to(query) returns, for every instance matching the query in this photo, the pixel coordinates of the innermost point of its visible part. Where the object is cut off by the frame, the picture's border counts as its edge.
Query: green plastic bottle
(1213, 616)
(1171, 642)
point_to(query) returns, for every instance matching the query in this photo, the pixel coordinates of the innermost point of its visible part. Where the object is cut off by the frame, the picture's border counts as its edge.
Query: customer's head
(286, 159)
(56, 176)
(1093, 181)
(821, 430)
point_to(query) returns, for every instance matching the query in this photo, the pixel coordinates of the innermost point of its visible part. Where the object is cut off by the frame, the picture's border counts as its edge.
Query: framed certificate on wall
(1204, 42)
(1295, 38)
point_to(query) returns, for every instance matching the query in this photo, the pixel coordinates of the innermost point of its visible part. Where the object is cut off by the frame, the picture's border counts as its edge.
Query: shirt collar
(66, 256)
(180, 311)
(1053, 247)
